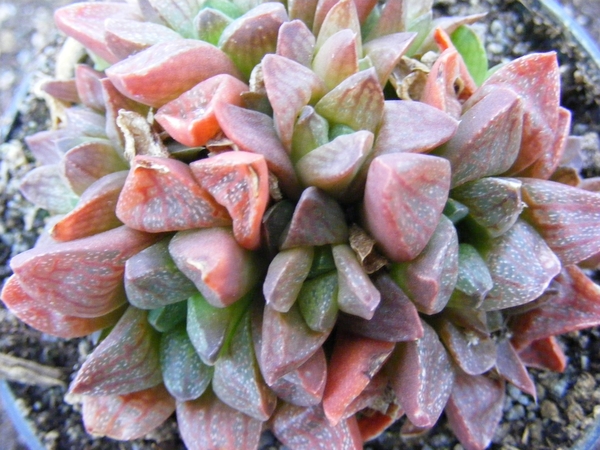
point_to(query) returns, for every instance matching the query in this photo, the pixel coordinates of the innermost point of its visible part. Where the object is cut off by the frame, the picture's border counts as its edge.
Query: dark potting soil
(567, 403)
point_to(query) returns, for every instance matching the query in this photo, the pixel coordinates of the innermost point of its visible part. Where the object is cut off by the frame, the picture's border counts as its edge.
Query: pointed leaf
(161, 194)
(285, 276)
(210, 23)
(46, 187)
(89, 89)
(474, 278)
(521, 265)
(152, 279)
(473, 52)
(392, 19)
(43, 145)
(511, 368)
(84, 277)
(475, 354)
(337, 58)
(385, 53)
(126, 37)
(209, 423)
(567, 218)
(240, 182)
(147, 77)
(545, 354)
(405, 195)
(221, 269)
(128, 416)
(474, 409)
(422, 377)
(341, 15)
(166, 318)
(178, 14)
(62, 90)
(38, 315)
(296, 42)
(125, 361)
(440, 88)
(310, 131)
(317, 301)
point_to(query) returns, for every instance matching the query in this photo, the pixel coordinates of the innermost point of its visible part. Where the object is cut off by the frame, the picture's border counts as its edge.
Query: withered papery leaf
(83, 278)
(190, 118)
(129, 416)
(126, 37)
(512, 369)
(545, 354)
(95, 211)
(429, 279)
(576, 306)
(567, 218)
(521, 266)
(305, 385)
(222, 270)
(295, 41)
(47, 188)
(395, 319)
(285, 276)
(125, 361)
(85, 22)
(237, 380)
(474, 409)
(209, 423)
(161, 194)
(164, 71)
(422, 376)
(299, 427)
(337, 58)
(152, 279)
(488, 137)
(404, 198)
(41, 317)
(354, 362)
(286, 342)
(240, 182)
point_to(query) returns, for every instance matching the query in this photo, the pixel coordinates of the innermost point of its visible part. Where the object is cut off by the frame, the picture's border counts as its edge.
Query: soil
(567, 403)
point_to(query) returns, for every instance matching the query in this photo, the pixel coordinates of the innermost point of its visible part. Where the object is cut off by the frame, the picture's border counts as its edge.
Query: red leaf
(62, 90)
(89, 89)
(440, 88)
(126, 37)
(125, 361)
(295, 41)
(129, 416)
(545, 354)
(511, 368)
(161, 194)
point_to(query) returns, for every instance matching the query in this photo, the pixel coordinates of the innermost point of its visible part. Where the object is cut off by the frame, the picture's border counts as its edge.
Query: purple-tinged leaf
(43, 145)
(337, 58)
(237, 380)
(147, 77)
(296, 42)
(474, 409)
(317, 220)
(385, 53)
(575, 306)
(357, 294)
(354, 362)
(311, 131)
(125, 361)
(46, 187)
(210, 23)
(333, 166)
(275, 220)
(430, 278)
(208, 423)
(521, 265)
(86, 163)
(239, 181)
(42, 317)
(545, 354)
(208, 326)
(545, 166)
(190, 118)
(161, 194)
(303, 10)
(126, 37)
(494, 203)
(340, 15)
(511, 368)
(286, 343)
(63, 90)
(221, 269)
(392, 19)
(178, 14)
(474, 278)
(290, 87)
(405, 195)
(152, 280)
(567, 218)
(422, 376)
(305, 385)
(473, 353)
(89, 89)
(395, 319)
(356, 102)
(299, 427)
(185, 376)
(83, 278)
(129, 416)
(254, 132)
(85, 22)
(488, 137)
(246, 47)
(95, 211)
(286, 273)
(317, 301)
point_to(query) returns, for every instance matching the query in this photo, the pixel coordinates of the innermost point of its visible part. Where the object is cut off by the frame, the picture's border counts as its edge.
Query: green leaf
(472, 50)
(167, 317)
(318, 301)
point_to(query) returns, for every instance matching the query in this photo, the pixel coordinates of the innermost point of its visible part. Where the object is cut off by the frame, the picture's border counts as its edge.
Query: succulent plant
(314, 218)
